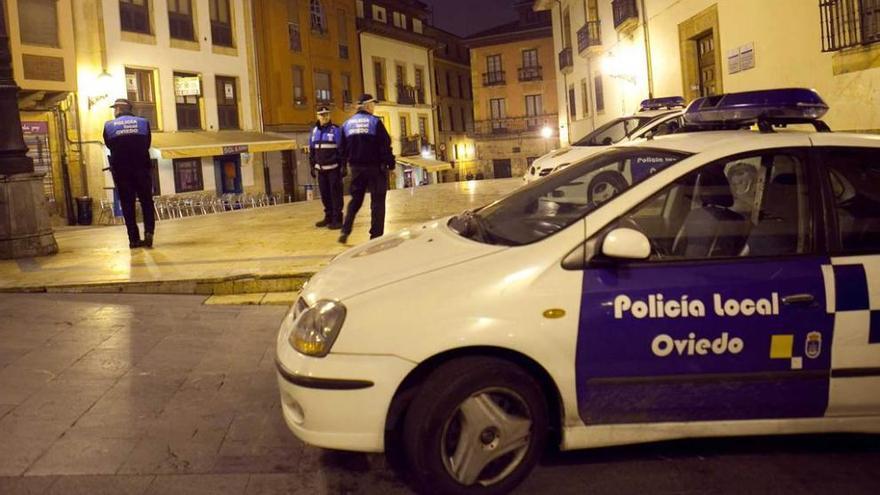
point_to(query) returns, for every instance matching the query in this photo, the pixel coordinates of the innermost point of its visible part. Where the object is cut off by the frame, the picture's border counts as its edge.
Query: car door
(852, 179)
(726, 320)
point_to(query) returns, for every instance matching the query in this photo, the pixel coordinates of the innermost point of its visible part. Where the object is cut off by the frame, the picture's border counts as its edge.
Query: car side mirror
(627, 244)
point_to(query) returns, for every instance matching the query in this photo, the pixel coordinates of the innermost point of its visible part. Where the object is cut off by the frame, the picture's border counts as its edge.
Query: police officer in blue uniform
(366, 147)
(128, 138)
(328, 166)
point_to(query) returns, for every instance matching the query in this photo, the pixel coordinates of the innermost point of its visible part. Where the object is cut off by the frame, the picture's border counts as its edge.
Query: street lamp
(101, 91)
(25, 230)
(546, 132)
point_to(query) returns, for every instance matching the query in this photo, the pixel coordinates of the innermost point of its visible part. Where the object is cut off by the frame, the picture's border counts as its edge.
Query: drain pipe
(648, 51)
(565, 79)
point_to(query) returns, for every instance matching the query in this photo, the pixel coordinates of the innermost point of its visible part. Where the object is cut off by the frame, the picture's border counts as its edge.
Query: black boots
(148, 239)
(323, 223)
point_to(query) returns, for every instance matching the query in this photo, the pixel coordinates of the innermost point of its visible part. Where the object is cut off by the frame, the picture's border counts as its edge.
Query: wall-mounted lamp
(546, 132)
(101, 91)
(620, 65)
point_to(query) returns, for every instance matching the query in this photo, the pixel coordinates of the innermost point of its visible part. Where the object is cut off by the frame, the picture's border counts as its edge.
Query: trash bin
(84, 210)
(310, 192)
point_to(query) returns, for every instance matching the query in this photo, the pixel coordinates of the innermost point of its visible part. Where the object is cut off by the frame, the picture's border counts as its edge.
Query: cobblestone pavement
(133, 394)
(267, 241)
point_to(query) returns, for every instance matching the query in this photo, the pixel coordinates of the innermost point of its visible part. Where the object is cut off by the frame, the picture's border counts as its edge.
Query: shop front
(415, 171)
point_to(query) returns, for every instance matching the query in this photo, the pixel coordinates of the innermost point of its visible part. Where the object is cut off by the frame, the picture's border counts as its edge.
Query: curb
(239, 284)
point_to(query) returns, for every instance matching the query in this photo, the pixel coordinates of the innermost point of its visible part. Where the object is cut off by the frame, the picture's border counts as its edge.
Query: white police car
(657, 117)
(734, 292)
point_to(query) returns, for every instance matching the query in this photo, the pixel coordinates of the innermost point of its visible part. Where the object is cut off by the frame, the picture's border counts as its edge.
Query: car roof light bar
(665, 102)
(789, 105)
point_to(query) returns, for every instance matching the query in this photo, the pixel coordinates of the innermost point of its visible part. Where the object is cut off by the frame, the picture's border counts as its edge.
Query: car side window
(746, 206)
(854, 174)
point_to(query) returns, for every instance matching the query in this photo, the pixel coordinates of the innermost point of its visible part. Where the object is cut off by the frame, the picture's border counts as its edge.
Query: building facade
(396, 63)
(41, 38)
(307, 56)
(454, 109)
(514, 92)
(609, 58)
(186, 66)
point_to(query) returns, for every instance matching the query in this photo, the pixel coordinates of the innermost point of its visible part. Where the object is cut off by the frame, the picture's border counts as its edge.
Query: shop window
(180, 19)
(227, 103)
(188, 175)
(38, 22)
(189, 116)
(221, 23)
(134, 16)
(141, 90)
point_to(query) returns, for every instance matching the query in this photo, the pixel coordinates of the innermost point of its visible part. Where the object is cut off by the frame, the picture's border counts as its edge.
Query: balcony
(589, 36)
(529, 126)
(411, 146)
(626, 14)
(406, 95)
(493, 78)
(566, 61)
(530, 73)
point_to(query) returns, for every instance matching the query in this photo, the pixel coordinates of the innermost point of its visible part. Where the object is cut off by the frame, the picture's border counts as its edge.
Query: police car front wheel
(477, 426)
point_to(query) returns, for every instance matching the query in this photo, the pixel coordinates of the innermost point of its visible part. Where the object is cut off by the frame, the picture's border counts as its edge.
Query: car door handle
(798, 299)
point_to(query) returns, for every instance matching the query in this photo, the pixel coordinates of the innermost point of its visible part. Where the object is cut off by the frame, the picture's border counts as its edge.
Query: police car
(736, 291)
(656, 117)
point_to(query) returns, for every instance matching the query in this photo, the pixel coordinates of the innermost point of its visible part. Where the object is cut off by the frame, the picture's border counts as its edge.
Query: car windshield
(612, 132)
(545, 207)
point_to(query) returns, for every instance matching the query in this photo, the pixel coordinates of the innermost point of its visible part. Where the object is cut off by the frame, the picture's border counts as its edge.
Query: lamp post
(25, 230)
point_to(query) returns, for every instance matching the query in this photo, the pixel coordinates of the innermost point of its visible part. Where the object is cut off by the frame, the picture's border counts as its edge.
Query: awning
(426, 163)
(204, 143)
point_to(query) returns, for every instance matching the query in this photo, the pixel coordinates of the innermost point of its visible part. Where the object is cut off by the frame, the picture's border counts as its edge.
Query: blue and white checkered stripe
(852, 287)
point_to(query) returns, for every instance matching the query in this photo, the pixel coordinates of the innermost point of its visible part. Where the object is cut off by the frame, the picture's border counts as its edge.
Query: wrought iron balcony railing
(589, 35)
(623, 11)
(493, 78)
(530, 73)
(566, 61)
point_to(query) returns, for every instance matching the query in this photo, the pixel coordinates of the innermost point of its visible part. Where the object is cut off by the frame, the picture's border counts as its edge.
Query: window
(448, 85)
(342, 21)
(359, 6)
(400, 74)
(404, 126)
(221, 23)
(530, 57)
(420, 86)
(134, 16)
(566, 29)
(323, 92)
(600, 94)
(187, 175)
(379, 14)
(345, 82)
(38, 22)
(316, 16)
(154, 177)
(187, 104)
(440, 119)
(423, 128)
(227, 102)
(399, 20)
(585, 98)
(530, 70)
(572, 104)
(612, 132)
(452, 125)
(747, 206)
(417, 25)
(533, 110)
(849, 23)
(855, 185)
(141, 90)
(493, 63)
(497, 112)
(180, 20)
(461, 87)
(379, 77)
(591, 10)
(494, 74)
(294, 40)
(299, 91)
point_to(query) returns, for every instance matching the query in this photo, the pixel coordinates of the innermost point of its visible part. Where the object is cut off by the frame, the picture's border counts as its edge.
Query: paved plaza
(269, 241)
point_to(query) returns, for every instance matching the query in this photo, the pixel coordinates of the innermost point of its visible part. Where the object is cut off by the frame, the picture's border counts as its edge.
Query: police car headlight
(315, 330)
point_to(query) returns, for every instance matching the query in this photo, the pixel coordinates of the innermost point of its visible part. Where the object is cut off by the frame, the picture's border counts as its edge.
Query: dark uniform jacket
(324, 145)
(128, 138)
(365, 142)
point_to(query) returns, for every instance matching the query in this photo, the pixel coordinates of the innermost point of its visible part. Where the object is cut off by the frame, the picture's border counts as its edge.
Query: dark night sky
(464, 17)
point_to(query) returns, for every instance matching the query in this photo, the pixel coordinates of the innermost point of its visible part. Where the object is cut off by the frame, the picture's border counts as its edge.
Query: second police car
(736, 291)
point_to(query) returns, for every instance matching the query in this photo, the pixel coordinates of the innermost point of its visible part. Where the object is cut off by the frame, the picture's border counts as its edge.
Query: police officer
(366, 147)
(128, 138)
(328, 166)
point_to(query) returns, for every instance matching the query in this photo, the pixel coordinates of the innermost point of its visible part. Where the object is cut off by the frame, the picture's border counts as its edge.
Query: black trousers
(372, 179)
(131, 185)
(330, 185)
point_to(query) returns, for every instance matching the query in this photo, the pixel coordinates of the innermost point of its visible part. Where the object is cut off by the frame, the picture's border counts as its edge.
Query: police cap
(323, 111)
(365, 98)
(121, 102)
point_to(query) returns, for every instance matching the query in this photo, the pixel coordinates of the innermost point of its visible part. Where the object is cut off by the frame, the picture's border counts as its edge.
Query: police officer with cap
(366, 147)
(328, 166)
(128, 139)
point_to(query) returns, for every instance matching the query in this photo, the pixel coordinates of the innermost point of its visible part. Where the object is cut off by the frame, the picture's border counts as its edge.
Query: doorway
(227, 170)
(502, 168)
(706, 63)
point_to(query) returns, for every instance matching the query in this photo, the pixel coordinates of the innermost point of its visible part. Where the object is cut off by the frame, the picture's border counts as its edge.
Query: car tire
(496, 407)
(605, 186)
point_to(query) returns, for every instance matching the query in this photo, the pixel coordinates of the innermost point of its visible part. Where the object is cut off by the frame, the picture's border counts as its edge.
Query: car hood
(408, 253)
(570, 155)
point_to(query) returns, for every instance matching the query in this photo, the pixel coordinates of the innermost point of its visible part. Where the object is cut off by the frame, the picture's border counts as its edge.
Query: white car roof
(697, 142)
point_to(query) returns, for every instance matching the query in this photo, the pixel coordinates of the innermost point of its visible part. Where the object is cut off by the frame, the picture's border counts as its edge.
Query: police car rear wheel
(477, 426)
